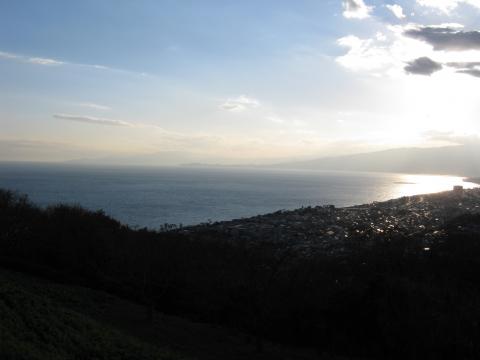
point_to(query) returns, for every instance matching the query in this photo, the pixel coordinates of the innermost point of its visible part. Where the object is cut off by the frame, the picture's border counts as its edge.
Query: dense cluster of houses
(329, 229)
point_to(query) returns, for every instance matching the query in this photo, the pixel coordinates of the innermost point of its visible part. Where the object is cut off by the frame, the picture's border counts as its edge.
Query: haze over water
(151, 197)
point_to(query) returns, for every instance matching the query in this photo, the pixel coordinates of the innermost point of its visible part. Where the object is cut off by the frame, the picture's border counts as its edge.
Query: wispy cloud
(43, 61)
(468, 68)
(92, 120)
(94, 106)
(240, 103)
(356, 9)
(275, 119)
(87, 119)
(30, 60)
(471, 72)
(6, 55)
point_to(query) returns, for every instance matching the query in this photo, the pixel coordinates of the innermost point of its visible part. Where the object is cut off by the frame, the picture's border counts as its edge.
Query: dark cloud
(464, 65)
(423, 66)
(469, 68)
(446, 37)
(472, 72)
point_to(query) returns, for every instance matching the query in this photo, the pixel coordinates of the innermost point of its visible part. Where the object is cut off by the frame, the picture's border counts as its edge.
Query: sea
(152, 197)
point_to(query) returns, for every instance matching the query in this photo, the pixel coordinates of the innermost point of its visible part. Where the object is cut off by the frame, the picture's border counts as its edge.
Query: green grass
(39, 321)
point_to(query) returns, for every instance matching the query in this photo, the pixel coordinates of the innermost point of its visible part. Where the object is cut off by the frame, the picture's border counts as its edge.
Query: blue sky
(232, 82)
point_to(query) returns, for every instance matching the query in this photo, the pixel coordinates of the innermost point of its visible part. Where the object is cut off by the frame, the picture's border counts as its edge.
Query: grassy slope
(39, 321)
(43, 320)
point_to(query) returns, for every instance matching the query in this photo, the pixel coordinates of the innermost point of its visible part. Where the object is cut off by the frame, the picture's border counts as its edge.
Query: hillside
(40, 321)
(46, 320)
(397, 280)
(452, 160)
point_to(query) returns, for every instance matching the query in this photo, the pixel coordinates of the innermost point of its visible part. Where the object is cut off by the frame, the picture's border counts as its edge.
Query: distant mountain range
(463, 160)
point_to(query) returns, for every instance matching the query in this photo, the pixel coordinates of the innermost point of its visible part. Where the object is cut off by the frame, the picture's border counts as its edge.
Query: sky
(220, 81)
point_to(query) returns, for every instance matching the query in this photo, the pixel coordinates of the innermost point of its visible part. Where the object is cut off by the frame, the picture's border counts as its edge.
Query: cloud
(447, 37)
(92, 120)
(240, 103)
(356, 9)
(386, 56)
(423, 66)
(275, 119)
(467, 65)
(397, 10)
(410, 48)
(472, 72)
(468, 68)
(30, 60)
(380, 36)
(44, 61)
(6, 55)
(452, 137)
(95, 106)
(54, 62)
(364, 54)
(447, 6)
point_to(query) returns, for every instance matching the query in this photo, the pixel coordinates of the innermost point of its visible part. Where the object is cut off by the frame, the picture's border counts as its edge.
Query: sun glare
(437, 104)
(410, 185)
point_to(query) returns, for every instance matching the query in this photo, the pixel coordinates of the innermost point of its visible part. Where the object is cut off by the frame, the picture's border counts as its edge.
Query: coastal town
(329, 230)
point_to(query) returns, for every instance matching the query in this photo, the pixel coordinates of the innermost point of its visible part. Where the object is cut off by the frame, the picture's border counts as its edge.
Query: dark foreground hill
(405, 286)
(41, 320)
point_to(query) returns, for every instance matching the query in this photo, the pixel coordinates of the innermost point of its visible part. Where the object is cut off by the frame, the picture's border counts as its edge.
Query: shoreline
(474, 180)
(329, 230)
(445, 194)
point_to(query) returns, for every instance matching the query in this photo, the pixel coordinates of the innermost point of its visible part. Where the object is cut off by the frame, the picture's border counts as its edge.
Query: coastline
(328, 229)
(475, 180)
(152, 197)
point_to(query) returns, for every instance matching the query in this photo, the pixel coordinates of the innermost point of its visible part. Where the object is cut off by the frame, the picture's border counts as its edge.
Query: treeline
(395, 299)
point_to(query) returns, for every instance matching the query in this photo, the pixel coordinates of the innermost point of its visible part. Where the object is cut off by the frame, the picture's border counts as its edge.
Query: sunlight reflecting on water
(409, 185)
(150, 197)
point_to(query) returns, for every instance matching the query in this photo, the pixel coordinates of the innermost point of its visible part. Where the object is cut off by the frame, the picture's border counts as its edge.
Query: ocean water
(151, 197)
